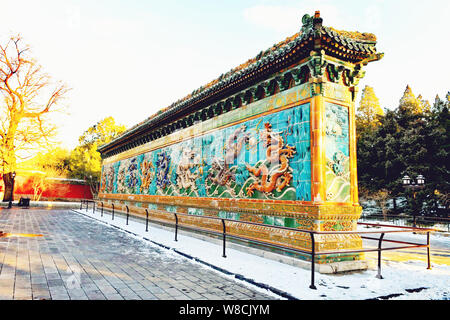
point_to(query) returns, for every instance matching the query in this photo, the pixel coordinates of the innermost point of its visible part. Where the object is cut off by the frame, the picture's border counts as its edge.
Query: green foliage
(412, 139)
(410, 104)
(54, 162)
(369, 111)
(85, 160)
(101, 133)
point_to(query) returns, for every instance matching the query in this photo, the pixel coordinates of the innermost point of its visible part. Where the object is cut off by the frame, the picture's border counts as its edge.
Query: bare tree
(29, 96)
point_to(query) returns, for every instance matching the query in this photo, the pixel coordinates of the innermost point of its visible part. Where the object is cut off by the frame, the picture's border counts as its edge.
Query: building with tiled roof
(353, 47)
(271, 142)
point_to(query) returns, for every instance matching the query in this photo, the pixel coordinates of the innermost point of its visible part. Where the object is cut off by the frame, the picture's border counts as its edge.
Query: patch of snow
(401, 280)
(437, 239)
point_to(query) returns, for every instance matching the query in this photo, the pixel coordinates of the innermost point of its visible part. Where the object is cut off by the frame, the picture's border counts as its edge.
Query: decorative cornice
(271, 71)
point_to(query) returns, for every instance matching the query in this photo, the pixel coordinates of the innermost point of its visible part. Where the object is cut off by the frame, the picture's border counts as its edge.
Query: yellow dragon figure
(103, 182)
(277, 152)
(147, 174)
(107, 179)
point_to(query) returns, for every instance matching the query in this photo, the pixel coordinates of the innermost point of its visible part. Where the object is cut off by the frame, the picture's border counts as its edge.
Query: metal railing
(86, 203)
(312, 253)
(439, 223)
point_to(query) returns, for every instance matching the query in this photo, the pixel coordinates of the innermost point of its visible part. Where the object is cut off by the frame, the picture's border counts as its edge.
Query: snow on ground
(402, 280)
(437, 239)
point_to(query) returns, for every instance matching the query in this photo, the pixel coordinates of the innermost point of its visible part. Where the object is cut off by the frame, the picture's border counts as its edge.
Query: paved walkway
(78, 258)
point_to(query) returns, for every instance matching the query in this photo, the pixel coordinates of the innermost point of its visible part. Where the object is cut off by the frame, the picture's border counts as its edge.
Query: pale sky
(128, 59)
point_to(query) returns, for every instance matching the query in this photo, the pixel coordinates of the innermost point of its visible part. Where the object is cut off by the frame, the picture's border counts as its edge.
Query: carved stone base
(318, 218)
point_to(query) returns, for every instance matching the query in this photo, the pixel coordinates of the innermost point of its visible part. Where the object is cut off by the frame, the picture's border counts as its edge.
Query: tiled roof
(360, 44)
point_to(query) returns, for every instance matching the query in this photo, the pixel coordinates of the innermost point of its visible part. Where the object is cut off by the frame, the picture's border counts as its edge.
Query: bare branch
(24, 87)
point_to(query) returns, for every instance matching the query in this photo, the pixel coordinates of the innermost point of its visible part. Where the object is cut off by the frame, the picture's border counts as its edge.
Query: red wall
(23, 187)
(60, 190)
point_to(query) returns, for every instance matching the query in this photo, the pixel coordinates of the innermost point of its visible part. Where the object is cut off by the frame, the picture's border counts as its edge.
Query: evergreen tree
(410, 104)
(412, 139)
(438, 142)
(424, 150)
(377, 156)
(369, 111)
(368, 119)
(424, 105)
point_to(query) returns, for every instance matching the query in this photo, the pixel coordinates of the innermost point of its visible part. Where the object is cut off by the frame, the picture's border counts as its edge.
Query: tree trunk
(8, 180)
(94, 186)
(9, 160)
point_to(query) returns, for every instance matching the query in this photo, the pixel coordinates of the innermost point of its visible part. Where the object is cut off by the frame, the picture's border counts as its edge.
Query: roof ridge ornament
(307, 22)
(313, 38)
(311, 23)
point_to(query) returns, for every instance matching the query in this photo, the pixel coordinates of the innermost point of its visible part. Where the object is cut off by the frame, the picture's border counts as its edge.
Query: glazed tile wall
(337, 153)
(264, 158)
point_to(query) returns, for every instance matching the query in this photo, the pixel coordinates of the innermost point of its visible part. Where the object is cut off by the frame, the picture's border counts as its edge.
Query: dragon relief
(278, 152)
(103, 182)
(121, 176)
(107, 179)
(147, 174)
(339, 163)
(187, 171)
(234, 144)
(162, 170)
(132, 175)
(220, 172)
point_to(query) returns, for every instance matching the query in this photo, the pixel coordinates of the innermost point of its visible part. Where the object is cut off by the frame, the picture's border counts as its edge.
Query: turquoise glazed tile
(290, 223)
(278, 221)
(337, 153)
(207, 175)
(269, 220)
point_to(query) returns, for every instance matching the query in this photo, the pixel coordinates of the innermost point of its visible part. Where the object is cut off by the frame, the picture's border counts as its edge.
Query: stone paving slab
(79, 259)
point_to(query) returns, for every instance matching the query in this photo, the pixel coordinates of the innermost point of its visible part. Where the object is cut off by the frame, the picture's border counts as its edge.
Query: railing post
(414, 221)
(380, 241)
(128, 213)
(146, 220)
(428, 251)
(81, 204)
(313, 261)
(102, 209)
(224, 238)
(176, 227)
(87, 205)
(93, 207)
(112, 216)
